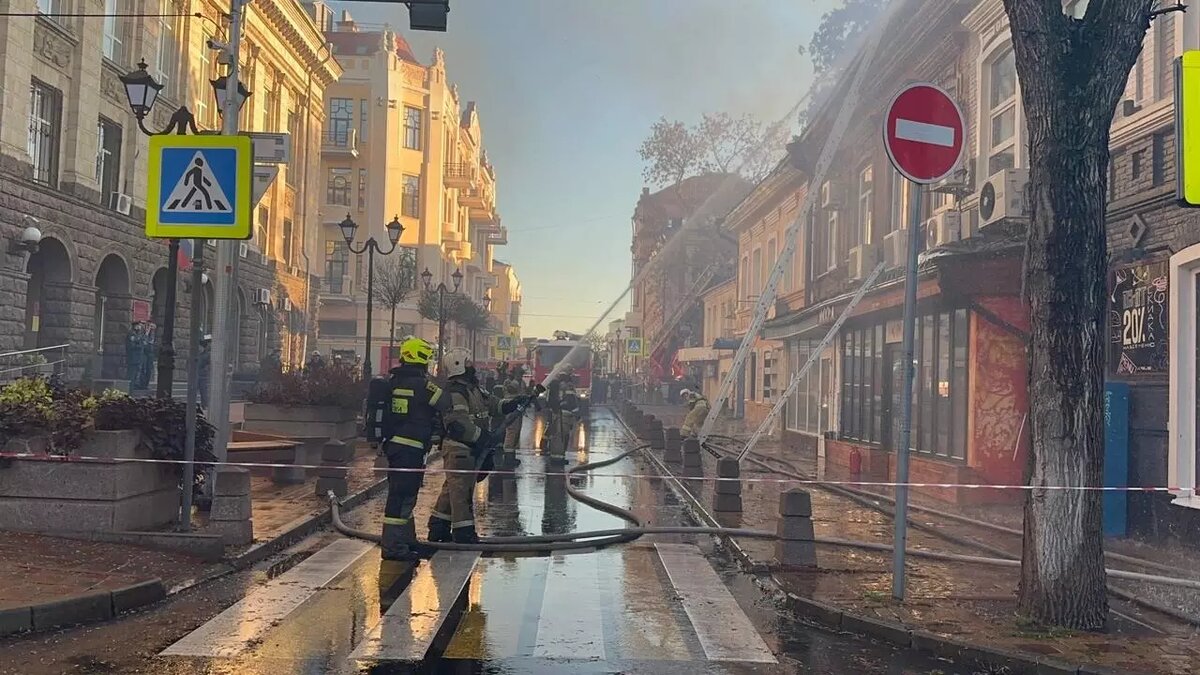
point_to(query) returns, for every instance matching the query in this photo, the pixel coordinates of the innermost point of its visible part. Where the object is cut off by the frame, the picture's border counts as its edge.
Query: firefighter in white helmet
(467, 444)
(697, 412)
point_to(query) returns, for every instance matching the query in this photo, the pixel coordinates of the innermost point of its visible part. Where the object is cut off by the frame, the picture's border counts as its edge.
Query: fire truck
(545, 355)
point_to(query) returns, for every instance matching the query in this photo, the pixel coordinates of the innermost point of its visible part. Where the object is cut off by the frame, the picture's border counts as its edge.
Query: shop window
(806, 406)
(871, 377)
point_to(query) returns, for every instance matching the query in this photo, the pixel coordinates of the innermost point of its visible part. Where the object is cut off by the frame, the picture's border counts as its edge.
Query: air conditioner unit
(121, 203)
(286, 304)
(862, 259)
(942, 229)
(1003, 196)
(895, 248)
(831, 196)
(243, 250)
(262, 296)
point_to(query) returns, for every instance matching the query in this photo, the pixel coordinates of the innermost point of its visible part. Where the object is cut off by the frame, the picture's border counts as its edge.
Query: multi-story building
(74, 166)
(505, 308)
(399, 143)
(665, 310)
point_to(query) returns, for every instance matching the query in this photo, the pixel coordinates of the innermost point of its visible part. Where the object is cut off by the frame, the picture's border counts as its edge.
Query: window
(1002, 115)
(270, 105)
(1158, 156)
(866, 191)
(108, 159)
(205, 112)
(293, 128)
(410, 198)
(831, 240)
(362, 117)
(166, 58)
(807, 406)
(412, 128)
(288, 242)
(337, 263)
(872, 371)
(337, 188)
(362, 189)
(1164, 54)
(114, 31)
(264, 230)
(899, 210)
(1136, 164)
(45, 131)
(344, 327)
(48, 6)
(341, 120)
(758, 274)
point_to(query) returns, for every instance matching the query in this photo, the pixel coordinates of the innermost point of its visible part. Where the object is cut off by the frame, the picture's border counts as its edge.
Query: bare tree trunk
(1072, 73)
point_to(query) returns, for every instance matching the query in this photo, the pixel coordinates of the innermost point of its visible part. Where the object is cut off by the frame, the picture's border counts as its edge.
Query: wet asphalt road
(638, 608)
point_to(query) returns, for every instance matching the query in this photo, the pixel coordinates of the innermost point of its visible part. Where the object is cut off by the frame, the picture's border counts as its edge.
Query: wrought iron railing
(44, 361)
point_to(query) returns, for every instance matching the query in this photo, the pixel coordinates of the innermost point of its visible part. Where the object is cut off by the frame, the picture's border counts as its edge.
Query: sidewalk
(53, 581)
(956, 601)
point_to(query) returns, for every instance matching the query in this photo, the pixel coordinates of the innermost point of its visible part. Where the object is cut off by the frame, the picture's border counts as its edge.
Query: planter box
(302, 421)
(47, 493)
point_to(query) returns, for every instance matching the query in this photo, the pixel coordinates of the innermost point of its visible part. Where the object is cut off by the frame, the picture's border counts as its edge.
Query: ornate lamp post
(142, 91)
(427, 278)
(370, 247)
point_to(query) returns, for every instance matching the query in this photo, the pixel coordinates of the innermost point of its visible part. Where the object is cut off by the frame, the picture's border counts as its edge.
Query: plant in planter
(162, 423)
(331, 385)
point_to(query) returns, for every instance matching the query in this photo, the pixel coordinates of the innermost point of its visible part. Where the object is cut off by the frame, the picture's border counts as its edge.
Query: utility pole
(225, 271)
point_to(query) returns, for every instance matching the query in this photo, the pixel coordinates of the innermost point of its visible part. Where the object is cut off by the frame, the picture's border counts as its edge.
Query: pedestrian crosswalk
(639, 603)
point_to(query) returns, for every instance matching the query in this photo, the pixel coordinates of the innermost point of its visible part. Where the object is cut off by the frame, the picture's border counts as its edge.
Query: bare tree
(671, 152)
(396, 279)
(1072, 72)
(726, 140)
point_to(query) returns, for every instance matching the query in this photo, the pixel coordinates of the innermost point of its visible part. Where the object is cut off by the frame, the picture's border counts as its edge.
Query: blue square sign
(199, 187)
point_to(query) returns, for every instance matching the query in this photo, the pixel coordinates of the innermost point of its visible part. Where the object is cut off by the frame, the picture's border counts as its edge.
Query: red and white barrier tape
(745, 479)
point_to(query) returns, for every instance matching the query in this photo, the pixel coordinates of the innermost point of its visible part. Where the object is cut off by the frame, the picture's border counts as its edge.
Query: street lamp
(370, 247)
(427, 278)
(142, 90)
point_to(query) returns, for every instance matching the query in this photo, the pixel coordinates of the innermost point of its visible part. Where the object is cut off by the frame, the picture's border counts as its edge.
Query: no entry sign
(923, 133)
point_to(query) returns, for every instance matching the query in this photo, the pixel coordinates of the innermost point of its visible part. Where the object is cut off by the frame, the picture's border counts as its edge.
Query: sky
(568, 89)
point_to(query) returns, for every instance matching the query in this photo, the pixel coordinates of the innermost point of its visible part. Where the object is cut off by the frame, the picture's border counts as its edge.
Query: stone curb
(104, 605)
(836, 618)
(83, 608)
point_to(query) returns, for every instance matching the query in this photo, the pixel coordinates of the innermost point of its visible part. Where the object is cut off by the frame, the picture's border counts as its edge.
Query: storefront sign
(894, 331)
(140, 310)
(1138, 319)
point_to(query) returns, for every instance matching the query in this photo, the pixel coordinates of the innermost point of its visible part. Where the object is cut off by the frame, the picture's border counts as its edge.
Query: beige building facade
(74, 166)
(399, 143)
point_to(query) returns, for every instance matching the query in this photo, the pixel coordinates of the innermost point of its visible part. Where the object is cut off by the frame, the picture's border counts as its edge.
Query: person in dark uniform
(410, 414)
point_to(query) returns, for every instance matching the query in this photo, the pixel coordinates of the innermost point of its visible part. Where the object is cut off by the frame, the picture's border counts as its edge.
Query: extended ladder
(684, 305)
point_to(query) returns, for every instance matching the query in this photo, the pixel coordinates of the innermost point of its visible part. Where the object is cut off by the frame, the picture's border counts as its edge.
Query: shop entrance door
(893, 385)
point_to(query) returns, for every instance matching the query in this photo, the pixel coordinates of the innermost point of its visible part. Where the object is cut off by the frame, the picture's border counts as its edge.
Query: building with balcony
(505, 308)
(398, 142)
(74, 165)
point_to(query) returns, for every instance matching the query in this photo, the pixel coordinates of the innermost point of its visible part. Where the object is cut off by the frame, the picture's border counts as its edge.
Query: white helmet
(685, 394)
(456, 361)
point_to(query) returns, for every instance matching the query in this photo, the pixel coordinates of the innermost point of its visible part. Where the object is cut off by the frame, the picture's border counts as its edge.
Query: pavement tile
(945, 600)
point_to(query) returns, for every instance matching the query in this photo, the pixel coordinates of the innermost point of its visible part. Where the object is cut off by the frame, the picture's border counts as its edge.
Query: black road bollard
(795, 547)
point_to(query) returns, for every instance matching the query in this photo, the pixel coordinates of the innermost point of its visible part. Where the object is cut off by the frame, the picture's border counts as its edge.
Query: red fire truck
(546, 354)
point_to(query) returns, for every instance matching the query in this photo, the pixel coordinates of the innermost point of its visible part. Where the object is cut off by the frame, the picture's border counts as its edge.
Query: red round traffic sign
(923, 133)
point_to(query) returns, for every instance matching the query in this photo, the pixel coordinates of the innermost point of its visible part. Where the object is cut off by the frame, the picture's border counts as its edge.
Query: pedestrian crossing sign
(633, 346)
(200, 187)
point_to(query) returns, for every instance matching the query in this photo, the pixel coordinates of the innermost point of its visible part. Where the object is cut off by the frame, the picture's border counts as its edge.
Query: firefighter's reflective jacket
(695, 417)
(410, 412)
(467, 421)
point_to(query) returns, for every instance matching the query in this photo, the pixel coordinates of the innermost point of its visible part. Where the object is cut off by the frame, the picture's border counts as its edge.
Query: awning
(696, 354)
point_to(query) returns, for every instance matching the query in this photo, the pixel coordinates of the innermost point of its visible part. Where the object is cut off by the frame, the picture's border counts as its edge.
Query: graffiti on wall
(1138, 315)
(1001, 398)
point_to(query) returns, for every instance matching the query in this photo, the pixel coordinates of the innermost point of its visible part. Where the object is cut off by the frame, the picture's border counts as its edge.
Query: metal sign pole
(902, 450)
(193, 387)
(224, 272)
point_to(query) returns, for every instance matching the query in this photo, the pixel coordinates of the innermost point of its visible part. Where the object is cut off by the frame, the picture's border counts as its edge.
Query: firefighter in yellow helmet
(467, 443)
(409, 405)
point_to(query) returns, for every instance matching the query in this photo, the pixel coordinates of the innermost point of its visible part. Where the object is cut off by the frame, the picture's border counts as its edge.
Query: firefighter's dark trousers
(454, 511)
(399, 533)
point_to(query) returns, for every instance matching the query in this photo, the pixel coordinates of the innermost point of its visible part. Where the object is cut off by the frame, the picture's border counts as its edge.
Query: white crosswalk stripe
(231, 632)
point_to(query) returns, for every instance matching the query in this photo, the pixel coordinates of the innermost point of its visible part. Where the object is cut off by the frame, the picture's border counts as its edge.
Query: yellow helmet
(415, 350)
